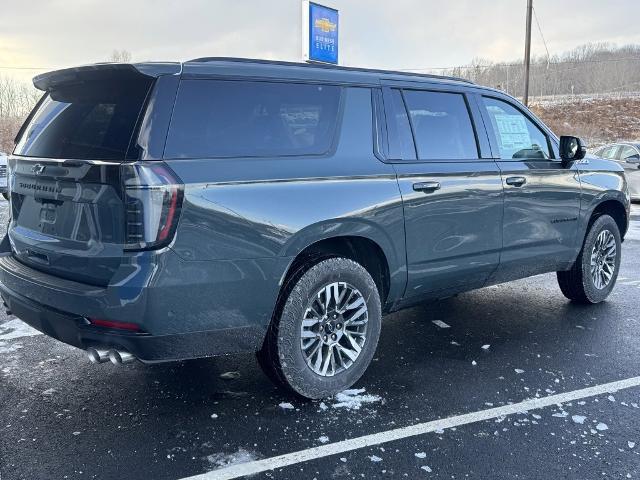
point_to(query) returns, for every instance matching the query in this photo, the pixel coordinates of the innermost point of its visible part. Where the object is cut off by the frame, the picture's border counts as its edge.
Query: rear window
(221, 118)
(93, 120)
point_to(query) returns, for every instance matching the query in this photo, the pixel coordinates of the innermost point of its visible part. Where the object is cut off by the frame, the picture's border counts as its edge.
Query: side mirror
(633, 159)
(572, 148)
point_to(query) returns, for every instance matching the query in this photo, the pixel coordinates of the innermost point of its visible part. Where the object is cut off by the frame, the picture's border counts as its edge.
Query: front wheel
(327, 331)
(594, 273)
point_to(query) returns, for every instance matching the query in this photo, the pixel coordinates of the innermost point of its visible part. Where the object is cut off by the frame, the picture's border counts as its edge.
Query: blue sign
(323, 34)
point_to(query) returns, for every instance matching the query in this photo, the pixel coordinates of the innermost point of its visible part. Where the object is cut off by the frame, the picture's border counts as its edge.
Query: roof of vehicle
(632, 144)
(241, 67)
(217, 65)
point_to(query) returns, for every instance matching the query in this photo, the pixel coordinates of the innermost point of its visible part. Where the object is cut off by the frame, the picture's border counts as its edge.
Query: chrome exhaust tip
(97, 355)
(118, 357)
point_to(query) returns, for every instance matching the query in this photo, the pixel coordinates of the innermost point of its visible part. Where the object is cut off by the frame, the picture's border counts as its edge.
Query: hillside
(596, 119)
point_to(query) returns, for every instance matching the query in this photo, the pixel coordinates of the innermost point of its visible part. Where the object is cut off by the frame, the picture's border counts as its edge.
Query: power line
(544, 42)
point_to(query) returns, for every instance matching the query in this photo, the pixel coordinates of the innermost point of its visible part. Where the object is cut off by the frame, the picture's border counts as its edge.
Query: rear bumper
(184, 309)
(76, 331)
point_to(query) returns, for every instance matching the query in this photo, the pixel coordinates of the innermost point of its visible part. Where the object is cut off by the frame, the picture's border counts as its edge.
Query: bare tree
(588, 69)
(16, 101)
(123, 56)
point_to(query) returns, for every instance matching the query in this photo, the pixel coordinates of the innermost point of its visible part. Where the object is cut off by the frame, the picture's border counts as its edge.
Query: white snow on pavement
(16, 329)
(286, 406)
(578, 419)
(441, 324)
(220, 460)
(353, 399)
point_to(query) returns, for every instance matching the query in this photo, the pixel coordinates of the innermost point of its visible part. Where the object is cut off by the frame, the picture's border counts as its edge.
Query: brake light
(153, 197)
(132, 327)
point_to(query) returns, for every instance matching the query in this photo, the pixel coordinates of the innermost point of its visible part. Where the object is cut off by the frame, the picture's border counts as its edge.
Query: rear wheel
(327, 330)
(593, 275)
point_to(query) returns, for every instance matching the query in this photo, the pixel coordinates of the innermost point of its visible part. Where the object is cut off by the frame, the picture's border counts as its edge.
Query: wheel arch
(613, 206)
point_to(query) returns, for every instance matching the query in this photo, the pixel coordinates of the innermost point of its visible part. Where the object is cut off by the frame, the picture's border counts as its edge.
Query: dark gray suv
(164, 211)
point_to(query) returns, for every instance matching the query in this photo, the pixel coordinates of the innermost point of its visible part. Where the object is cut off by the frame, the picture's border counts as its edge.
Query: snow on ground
(634, 231)
(441, 324)
(220, 460)
(16, 329)
(353, 399)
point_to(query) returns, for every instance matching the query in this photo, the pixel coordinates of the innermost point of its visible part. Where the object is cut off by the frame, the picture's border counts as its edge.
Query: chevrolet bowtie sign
(319, 33)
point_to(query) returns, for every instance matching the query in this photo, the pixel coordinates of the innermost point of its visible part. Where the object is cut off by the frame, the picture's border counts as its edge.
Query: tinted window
(401, 128)
(608, 152)
(217, 118)
(441, 125)
(95, 120)
(517, 136)
(628, 152)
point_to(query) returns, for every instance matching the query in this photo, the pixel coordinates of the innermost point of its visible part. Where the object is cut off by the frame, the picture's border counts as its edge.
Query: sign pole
(527, 52)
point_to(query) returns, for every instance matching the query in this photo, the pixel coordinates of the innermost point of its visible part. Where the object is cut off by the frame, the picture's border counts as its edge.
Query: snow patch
(601, 427)
(420, 455)
(230, 375)
(578, 419)
(486, 347)
(220, 460)
(16, 329)
(375, 458)
(518, 370)
(441, 324)
(426, 468)
(353, 399)
(323, 439)
(286, 406)
(10, 347)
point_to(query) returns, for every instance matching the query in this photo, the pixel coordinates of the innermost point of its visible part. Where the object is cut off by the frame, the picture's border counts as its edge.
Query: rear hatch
(79, 198)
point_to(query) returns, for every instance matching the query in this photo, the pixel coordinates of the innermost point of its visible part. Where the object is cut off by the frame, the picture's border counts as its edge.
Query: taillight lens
(153, 198)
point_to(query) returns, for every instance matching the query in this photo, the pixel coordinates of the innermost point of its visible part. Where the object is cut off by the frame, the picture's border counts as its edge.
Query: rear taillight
(116, 325)
(153, 198)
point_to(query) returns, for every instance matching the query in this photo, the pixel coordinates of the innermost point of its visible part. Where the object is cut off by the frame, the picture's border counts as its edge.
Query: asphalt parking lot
(62, 417)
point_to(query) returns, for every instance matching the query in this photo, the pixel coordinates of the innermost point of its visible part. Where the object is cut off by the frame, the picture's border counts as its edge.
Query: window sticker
(513, 132)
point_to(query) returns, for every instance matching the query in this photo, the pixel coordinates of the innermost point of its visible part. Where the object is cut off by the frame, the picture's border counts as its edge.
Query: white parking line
(257, 466)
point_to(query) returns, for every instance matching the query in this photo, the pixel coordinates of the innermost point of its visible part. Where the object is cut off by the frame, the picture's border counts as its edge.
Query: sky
(393, 34)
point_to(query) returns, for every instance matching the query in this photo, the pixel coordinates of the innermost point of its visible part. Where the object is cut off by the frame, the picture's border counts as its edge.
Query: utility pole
(527, 52)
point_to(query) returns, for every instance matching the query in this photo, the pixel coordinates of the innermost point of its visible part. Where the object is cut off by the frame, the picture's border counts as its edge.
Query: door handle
(426, 187)
(516, 181)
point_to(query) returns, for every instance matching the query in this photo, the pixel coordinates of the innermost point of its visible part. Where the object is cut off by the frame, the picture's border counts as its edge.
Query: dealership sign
(319, 33)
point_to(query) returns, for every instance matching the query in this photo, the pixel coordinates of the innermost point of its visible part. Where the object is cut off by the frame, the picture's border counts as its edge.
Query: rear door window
(93, 120)
(628, 153)
(517, 136)
(221, 118)
(441, 125)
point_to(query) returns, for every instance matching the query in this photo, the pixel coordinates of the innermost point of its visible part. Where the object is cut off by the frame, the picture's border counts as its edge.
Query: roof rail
(326, 66)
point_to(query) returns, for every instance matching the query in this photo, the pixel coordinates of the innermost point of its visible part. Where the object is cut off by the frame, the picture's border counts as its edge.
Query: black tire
(577, 283)
(282, 357)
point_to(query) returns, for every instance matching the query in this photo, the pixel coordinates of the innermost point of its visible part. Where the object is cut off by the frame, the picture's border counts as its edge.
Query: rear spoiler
(69, 76)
